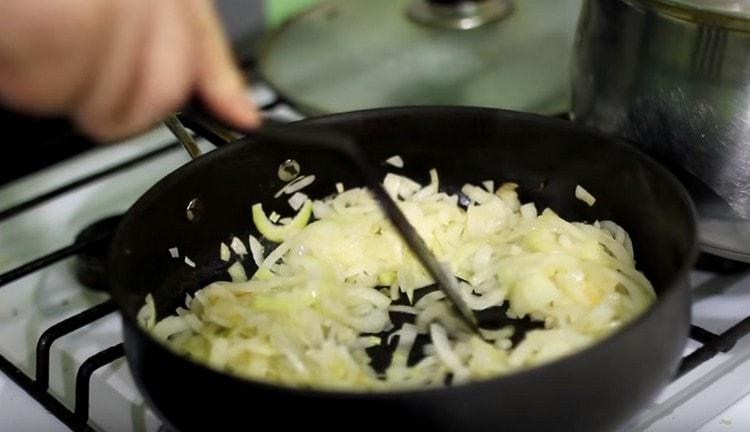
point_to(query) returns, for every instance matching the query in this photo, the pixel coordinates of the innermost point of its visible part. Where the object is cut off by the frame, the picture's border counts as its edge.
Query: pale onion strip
(238, 246)
(372, 296)
(403, 309)
(584, 195)
(237, 272)
(445, 352)
(147, 313)
(406, 337)
(189, 262)
(429, 299)
(256, 250)
(287, 187)
(170, 326)
(297, 200)
(395, 161)
(224, 253)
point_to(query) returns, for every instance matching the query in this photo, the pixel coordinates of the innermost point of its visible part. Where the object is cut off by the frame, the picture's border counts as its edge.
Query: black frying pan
(600, 388)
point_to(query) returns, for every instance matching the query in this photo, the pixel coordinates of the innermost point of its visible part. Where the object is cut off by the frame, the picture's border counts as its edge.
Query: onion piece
(237, 272)
(238, 246)
(147, 313)
(224, 253)
(295, 185)
(174, 252)
(395, 161)
(297, 200)
(256, 250)
(584, 195)
(446, 354)
(403, 309)
(277, 233)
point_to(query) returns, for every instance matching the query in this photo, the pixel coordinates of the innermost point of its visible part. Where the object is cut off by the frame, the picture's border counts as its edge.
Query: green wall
(277, 11)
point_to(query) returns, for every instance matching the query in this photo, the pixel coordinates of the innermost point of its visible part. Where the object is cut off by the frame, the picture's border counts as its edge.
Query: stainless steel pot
(673, 76)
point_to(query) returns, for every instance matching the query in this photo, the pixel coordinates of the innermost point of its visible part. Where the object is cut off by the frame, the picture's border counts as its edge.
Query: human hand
(116, 67)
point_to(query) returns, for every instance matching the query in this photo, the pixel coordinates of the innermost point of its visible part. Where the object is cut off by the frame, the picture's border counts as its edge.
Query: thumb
(219, 82)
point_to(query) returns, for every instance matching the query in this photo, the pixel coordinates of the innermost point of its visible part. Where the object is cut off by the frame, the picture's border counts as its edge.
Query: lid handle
(458, 14)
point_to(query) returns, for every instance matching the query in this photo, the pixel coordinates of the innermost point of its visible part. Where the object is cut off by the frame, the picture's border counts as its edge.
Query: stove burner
(91, 263)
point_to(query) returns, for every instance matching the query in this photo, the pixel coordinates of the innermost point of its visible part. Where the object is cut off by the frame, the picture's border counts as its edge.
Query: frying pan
(599, 388)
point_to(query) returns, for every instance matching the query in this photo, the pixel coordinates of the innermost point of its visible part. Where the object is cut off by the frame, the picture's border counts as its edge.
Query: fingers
(98, 112)
(219, 82)
(181, 51)
(156, 80)
(118, 66)
(45, 51)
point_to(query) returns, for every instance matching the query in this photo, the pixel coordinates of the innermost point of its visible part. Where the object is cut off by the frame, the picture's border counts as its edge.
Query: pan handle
(196, 118)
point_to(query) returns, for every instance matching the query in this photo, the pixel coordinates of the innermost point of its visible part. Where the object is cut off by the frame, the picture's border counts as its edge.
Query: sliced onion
(256, 250)
(584, 195)
(237, 272)
(224, 253)
(395, 161)
(297, 200)
(238, 246)
(277, 233)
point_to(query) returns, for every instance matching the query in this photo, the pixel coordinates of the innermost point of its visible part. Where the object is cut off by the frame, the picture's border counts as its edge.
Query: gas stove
(61, 353)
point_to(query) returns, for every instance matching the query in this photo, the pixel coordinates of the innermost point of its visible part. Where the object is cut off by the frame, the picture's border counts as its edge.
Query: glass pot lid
(344, 55)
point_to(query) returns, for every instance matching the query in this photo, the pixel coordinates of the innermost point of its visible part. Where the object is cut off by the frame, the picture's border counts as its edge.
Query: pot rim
(695, 14)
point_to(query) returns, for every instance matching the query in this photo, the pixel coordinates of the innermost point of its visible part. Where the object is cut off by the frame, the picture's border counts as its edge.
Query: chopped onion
(238, 246)
(274, 217)
(446, 354)
(325, 293)
(174, 252)
(256, 250)
(224, 253)
(295, 185)
(189, 262)
(147, 313)
(297, 200)
(237, 272)
(429, 299)
(301, 184)
(403, 309)
(278, 233)
(395, 161)
(340, 187)
(584, 195)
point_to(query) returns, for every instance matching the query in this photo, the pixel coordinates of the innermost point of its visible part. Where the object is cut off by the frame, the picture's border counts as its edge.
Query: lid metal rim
(691, 13)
